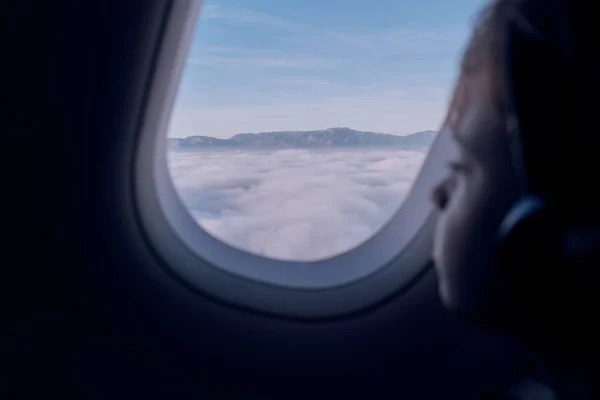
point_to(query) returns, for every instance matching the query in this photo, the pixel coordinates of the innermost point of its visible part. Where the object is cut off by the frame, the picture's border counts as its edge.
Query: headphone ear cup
(529, 269)
(526, 216)
(530, 245)
(546, 290)
(531, 242)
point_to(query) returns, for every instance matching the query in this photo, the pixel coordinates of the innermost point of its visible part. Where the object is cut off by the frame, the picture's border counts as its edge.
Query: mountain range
(332, 137)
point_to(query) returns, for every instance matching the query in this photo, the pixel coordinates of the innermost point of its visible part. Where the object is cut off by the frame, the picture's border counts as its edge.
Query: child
(523, 74)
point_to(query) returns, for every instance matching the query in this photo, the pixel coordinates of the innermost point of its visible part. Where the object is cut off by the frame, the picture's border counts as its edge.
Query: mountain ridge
(331, 137)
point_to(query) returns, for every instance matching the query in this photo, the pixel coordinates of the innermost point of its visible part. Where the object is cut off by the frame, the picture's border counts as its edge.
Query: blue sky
(267, 65)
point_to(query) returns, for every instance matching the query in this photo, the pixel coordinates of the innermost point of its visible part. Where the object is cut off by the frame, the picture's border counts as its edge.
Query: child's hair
(567, 126)
(487, 45)
(483, 52)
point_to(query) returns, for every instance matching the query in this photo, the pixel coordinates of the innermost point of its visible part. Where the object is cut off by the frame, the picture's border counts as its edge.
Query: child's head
(482, 183)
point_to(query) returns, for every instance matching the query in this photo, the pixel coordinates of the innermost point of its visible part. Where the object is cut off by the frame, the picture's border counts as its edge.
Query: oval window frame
(383, 265)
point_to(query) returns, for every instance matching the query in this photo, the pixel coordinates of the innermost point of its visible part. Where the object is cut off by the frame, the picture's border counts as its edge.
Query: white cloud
(398, 41)
(299, 81)
(228, 50)
(294, 204)
(394, 42)
(246, 17)
(266, 61)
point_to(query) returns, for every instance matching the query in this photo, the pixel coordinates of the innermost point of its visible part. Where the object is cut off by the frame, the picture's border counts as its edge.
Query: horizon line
(311, 130)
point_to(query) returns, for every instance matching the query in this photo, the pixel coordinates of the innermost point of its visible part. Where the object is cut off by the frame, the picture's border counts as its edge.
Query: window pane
(300, 125)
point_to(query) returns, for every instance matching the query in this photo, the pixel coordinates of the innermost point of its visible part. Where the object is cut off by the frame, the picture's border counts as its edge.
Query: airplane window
(299, 126)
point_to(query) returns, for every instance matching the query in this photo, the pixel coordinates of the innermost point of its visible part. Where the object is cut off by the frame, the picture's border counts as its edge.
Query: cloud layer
(294, 204)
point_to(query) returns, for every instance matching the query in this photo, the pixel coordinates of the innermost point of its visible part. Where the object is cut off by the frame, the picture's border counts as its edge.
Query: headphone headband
(538, 94)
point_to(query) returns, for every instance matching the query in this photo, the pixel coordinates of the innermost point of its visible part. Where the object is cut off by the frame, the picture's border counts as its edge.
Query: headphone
(532, 62)
(544, 252)
(542, 103)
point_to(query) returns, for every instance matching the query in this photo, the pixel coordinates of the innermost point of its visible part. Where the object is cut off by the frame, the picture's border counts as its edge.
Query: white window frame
(380, 267)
